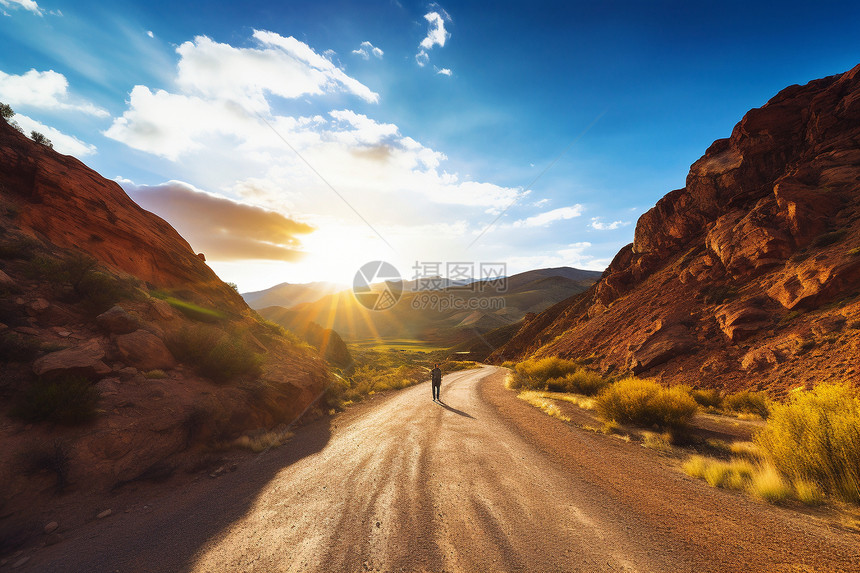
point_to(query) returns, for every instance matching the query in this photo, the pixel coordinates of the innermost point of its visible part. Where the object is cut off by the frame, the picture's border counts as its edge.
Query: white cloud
(571, 255)
(367, 49)
(281, 66)
(444, 71)
(66, 144)
(43, 90)
(150, 34)
(29, 5)
(600, 226)
(541, 202)
(544, 219)
(436, 36)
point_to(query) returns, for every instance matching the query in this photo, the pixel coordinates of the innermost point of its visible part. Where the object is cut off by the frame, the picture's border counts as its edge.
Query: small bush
(40, 138)
(747, 402)
(718, 294)
(71, 400)
(828, 238)
(707, 398)
(52, 458)
(6, 111)
(21, 248)
(660, 442)
(808, 492)
(536, 371)
(14, 348)
(98, 292)
(769, 485)
(580, 381)
(155, 375)
(854, 252)
(646, 403)
(815, 437)
(219, 356)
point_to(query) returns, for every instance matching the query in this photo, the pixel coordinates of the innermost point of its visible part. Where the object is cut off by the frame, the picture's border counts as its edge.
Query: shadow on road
(455, 410)
(172, 539)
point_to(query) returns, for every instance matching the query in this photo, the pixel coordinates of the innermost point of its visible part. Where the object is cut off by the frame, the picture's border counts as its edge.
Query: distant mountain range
(289, 294)
(446, 316)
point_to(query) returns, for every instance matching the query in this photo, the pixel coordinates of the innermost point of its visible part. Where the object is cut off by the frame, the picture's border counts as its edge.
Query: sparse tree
(6, 111)
(39, 138)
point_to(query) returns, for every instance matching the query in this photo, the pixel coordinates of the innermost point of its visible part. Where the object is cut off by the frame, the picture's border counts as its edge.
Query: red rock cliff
(755, 258)
(74, 207)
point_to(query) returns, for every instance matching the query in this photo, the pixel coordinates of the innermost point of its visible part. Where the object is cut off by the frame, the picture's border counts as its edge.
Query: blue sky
(430, 120)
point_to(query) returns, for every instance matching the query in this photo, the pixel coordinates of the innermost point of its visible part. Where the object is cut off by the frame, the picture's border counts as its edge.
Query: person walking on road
(436, 381)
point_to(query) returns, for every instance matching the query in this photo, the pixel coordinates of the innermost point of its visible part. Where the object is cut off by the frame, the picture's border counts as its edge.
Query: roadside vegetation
(378, 368)
(806, 452)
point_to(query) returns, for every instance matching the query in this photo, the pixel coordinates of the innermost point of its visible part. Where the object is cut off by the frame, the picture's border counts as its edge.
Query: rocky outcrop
(84, 360)
(144, 351)
(64, 201)
(117, 321)
(743, 266)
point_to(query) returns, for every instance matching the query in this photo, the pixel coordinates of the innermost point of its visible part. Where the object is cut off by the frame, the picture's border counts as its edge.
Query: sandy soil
(482, 482)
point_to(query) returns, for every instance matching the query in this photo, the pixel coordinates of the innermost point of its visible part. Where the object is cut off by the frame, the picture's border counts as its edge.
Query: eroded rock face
(740, 321)
(768, 222)
(144, 351)
(74, 207)
(660, 345)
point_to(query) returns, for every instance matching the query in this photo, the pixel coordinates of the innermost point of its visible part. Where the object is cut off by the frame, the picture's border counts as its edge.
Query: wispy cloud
(600, 226)
(570, 255)
(29, 5)
(62, 142)
(367, 49)
(544, 219)
(43, 90)
(444, 71)
(437, 35)
(223, 229)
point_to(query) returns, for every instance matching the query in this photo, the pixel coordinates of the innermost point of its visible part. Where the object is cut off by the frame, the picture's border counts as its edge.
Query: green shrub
(213, 353)
(815, 437)
(580, 381)
(20, 248)
(154, 375)
(14, 348)
(718, 294)
(646, 403)
(747, 402)
(6, 111)
(70, 400)
(707, 397)
(40, 138)
(828, 238)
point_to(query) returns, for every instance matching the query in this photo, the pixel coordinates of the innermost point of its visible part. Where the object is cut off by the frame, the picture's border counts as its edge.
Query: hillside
(749, 275)
(288, 294)
(124, 357)
(445, 316)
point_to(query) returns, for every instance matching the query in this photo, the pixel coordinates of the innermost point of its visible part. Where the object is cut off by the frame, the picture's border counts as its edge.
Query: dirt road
(483, 482)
